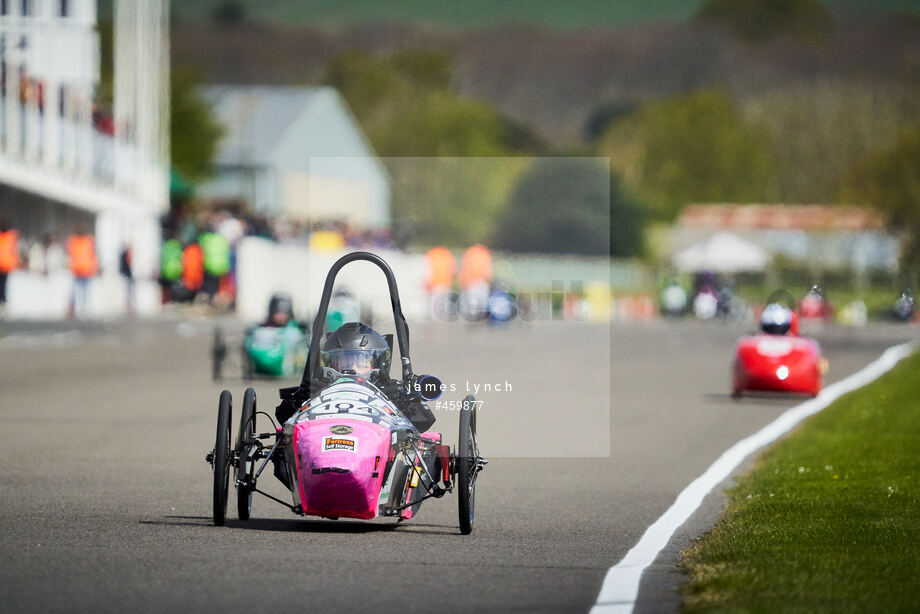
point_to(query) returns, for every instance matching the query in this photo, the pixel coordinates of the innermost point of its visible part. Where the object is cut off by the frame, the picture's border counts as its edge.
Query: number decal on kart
(351, 393)
(338, 416)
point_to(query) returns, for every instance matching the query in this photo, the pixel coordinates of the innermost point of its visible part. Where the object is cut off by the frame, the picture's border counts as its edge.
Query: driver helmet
(356, 348)
(280, 310)
(776, 319)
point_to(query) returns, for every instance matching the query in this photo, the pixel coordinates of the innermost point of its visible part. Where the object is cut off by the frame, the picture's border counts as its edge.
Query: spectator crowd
(198, 256)
(49, 256)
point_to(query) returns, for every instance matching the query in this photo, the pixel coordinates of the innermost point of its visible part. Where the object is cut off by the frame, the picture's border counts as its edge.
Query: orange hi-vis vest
(193, 267)
(475, 266)
(9, 254)
(441, 268)
(82, 251)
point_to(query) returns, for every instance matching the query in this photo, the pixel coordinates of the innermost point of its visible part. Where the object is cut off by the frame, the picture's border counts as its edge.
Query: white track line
(621, 585)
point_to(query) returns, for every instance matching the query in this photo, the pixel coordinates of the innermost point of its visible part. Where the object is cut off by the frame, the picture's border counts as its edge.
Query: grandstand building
(65, 159)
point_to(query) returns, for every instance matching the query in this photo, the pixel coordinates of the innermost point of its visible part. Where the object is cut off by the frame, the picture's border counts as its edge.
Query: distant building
(827, 236)
(296, 152)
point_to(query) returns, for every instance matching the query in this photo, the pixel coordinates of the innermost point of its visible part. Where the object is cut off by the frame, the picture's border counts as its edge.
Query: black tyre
(244, 444)
(248, 366)
(218, 354)
(222, 457)
(467, 465)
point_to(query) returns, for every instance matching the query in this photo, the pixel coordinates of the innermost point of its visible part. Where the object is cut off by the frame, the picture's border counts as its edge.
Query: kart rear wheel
(222, 457)
(467, 465)
(248, 366)
(218, 354)
(244, 469)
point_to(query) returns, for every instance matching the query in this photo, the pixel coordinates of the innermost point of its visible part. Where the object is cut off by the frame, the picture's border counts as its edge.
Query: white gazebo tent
(723, 252)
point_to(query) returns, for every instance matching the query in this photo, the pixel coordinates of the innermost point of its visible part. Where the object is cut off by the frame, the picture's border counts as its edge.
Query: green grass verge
(829, 518)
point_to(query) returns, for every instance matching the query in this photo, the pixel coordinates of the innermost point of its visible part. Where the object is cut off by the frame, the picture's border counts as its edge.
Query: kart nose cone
(338, 465)
(782, 372)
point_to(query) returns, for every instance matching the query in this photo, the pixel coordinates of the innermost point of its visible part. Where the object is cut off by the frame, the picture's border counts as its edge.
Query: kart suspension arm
(265, 462)
(434, 490)
(437, 492)
(418, 461)
(294, 508)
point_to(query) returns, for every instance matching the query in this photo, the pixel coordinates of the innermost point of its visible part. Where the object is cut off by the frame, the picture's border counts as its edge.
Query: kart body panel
(340, 475)
(276, 351)
(342, 451)
(778, 363)
(815, 307)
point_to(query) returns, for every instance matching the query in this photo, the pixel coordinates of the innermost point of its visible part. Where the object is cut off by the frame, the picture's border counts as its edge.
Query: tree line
(801, 123)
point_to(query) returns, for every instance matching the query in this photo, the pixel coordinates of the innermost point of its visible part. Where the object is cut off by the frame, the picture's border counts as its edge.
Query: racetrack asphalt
(106, 498)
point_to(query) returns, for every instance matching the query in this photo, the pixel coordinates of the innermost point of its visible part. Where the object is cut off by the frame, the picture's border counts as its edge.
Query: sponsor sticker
(384, 491)
(341, 429)
(339, 443)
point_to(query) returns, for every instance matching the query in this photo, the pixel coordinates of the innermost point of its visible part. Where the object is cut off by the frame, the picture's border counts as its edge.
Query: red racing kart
(815, 305)
(778, 363)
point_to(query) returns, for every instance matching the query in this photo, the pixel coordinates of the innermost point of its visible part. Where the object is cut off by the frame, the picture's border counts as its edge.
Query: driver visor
(359, 362)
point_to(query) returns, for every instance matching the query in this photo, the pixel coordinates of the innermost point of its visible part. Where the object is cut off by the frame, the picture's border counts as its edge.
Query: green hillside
(479, 13)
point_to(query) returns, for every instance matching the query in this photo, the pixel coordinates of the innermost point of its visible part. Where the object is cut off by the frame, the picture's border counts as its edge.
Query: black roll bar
(402, 331)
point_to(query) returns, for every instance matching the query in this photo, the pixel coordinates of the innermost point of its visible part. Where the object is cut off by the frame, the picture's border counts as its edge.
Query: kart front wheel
(467, 465)
(222, 457)
(244, 445)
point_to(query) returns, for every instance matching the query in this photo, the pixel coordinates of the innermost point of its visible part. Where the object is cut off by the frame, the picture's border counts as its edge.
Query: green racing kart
(264, 350)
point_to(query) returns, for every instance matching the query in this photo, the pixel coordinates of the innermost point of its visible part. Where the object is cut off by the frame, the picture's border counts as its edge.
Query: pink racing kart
(349, 452)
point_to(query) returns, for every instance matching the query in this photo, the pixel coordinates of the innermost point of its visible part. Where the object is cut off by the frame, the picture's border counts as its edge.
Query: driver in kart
(776, 319)
(357, 349)
(280, 311)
